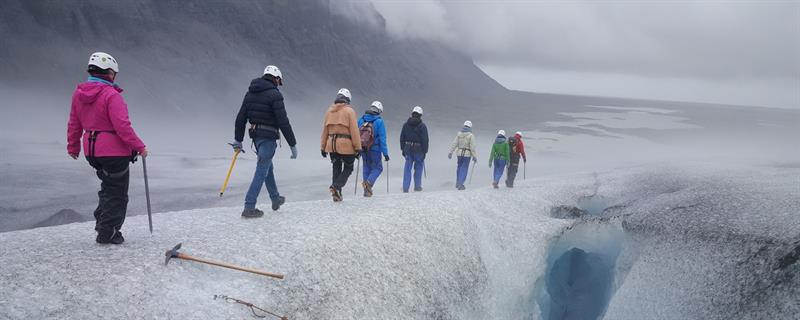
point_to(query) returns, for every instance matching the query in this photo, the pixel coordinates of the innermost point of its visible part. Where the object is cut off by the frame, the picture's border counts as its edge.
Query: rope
(251, 306)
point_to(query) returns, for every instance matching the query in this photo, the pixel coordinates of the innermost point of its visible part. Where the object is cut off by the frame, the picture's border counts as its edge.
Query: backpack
(512, 142)
(367, 132)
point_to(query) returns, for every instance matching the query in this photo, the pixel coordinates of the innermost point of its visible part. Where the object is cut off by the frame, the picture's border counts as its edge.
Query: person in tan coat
(342, 140)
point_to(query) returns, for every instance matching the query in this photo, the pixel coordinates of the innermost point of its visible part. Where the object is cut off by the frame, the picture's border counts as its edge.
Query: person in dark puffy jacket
(263, 108)
(414, 144)
(98, 119)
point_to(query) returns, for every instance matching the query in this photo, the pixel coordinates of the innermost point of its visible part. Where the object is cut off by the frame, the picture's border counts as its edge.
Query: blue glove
(294, 152)
(237, 146)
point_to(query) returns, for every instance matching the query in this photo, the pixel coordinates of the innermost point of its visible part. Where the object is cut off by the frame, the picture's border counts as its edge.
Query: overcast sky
(739, 52)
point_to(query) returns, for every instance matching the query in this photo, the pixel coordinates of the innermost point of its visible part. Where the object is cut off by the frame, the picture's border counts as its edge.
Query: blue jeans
(264, 175)
(417, 162)
(372, 166)
(499, 167)
(462, 170)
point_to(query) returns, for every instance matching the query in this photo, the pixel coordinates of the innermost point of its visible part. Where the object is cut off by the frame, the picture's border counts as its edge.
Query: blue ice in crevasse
(579, 278)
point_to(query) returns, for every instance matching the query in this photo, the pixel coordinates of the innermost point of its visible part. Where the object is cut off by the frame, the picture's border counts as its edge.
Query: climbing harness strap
(251, 306)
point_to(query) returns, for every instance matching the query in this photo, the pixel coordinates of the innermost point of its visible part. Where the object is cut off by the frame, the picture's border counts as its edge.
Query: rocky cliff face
(188, 56)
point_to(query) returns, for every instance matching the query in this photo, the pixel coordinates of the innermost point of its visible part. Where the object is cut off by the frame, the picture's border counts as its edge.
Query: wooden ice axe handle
(229, 266)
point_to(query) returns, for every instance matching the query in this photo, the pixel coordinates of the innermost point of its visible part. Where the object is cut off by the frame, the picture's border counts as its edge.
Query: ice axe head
(173, 253)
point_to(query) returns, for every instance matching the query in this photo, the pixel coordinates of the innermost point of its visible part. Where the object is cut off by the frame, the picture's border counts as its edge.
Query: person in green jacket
(499, 155)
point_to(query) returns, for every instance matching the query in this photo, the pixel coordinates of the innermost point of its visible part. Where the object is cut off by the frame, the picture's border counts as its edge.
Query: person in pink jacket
(98, 120)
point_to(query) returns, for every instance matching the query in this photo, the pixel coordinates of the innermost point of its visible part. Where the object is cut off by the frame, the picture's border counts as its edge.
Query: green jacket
(500, 150)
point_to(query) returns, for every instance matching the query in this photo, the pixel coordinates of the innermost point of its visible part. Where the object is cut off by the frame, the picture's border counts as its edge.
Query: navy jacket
(414, 137)
(263, 105)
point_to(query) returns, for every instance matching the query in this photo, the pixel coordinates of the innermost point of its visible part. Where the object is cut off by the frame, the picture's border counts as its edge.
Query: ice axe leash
(147, 195)
(173, 253)
(251, 306)
(228, 176)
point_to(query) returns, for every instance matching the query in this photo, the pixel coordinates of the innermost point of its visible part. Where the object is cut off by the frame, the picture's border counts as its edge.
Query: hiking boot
(277, 202)
(367, 189)
(461, 187)
(336, 194)
(114, 238)
(252, 213)
(417, 189)
(494, 185)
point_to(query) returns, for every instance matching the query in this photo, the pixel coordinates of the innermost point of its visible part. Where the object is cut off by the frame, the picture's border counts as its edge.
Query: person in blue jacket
(372, 154)
(414, 143)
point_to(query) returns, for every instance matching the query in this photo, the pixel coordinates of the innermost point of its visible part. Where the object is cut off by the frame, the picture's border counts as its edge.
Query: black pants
(113, 195)
(512, 174)
(342, 168)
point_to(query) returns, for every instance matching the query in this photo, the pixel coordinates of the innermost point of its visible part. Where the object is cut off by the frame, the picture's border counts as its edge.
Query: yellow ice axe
(228, 177)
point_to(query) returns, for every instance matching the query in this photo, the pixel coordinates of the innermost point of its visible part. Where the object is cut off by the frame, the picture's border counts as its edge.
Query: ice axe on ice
(173, 253)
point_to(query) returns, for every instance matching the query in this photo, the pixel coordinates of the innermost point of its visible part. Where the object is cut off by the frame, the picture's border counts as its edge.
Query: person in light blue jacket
(373, 140)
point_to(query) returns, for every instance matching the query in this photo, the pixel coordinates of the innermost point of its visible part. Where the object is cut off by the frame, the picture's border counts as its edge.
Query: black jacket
(263, 105)
(414, 137)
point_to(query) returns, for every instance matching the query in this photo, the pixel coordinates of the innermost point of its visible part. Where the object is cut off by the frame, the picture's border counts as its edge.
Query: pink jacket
(97, 106)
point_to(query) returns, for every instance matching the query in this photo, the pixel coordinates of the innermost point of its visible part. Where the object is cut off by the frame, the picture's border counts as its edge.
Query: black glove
(386, 157)
(404, 154)
(358, 154)
(324, 154)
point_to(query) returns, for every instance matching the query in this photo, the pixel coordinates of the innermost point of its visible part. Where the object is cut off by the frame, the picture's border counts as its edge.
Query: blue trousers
(263, 175)
(462, 170)
(416, 162)
(372, 166)
(499, 168)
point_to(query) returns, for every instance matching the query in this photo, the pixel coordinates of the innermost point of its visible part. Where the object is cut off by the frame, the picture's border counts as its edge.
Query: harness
(91, 154)
(255, 127)
(463, 150)
(334, 137)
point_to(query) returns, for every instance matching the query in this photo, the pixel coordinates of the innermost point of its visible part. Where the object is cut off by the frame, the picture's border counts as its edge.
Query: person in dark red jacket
(517, 149)
(98, 119)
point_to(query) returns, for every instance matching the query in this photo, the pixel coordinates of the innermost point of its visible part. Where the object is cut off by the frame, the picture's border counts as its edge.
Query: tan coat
(340, 119)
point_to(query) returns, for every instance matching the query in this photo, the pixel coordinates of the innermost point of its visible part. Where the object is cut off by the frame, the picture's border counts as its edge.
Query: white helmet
(417, 109)
(502, 133)
(273, 71)
(103, 61)
(345, 92)
(518, 133)
(468, 123)
(378, 104)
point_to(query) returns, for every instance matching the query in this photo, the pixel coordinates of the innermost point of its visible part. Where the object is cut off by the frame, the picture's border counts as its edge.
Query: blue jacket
(380, 132)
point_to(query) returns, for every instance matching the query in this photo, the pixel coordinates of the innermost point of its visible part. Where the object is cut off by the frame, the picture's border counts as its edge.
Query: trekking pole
(358, 171)
(387, 176)
(524, 170)
(228, 177)
(147, 194)
(472, 171)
